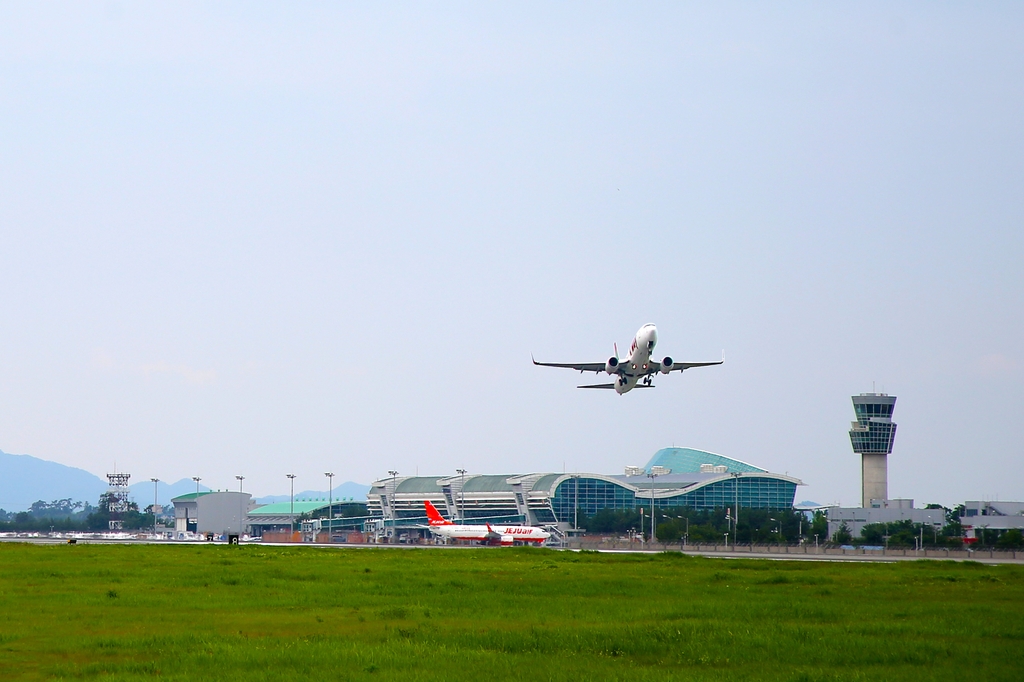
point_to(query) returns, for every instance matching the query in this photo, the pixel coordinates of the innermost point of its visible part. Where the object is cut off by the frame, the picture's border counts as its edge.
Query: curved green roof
(688, 461)
(546, 481)
(190, 496)
(419, 484)
(488, 484)
(279, 508)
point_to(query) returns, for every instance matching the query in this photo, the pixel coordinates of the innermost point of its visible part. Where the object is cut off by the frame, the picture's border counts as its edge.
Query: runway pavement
(795, 553)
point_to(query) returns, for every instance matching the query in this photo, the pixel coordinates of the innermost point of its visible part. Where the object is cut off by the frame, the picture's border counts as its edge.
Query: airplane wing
(653, 367)
(613, 386)
(579, 366)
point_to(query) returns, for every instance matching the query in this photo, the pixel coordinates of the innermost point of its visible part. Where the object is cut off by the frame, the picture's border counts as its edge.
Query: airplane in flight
(505, 535)
(635, 371)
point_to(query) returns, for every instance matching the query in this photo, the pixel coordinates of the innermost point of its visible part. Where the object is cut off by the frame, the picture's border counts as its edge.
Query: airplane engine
(666, 365)
(612, 366)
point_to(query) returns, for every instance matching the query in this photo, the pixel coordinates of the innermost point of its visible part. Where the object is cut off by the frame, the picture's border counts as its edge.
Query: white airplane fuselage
(634, 366)
(498, 534)
(507, 534)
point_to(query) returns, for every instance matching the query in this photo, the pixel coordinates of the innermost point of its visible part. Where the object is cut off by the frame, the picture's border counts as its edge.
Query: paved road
(719, 554)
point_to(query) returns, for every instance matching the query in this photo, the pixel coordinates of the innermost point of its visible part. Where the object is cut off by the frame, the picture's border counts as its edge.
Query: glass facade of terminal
(754, 492)
(593, 495)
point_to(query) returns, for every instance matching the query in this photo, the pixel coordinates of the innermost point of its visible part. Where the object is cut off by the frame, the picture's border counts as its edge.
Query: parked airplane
(637, 367)
(505, 535)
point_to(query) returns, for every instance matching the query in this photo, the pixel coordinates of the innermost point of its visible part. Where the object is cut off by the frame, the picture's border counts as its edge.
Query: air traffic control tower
(872, 436)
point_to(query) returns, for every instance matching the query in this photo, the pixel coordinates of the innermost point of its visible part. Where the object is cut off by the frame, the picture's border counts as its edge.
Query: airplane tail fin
(435, 516)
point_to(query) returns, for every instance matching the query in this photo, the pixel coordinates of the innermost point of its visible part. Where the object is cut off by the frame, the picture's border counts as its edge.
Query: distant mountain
(25, 479)
(343, 491)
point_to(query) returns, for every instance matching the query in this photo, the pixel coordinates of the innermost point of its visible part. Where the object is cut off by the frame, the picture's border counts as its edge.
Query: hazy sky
(268, 238)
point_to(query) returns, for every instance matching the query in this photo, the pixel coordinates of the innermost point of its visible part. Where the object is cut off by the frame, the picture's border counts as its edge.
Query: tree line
(787, 526)
(708, 526)
(66, 515)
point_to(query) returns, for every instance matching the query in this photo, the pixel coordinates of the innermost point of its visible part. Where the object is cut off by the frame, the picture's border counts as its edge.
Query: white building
(1000, 516)
(882, 511)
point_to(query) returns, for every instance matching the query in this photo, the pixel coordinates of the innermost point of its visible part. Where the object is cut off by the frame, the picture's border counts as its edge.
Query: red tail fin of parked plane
(435, 516)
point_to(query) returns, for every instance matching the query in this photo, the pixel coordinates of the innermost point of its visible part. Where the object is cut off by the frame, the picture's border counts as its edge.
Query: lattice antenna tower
(117, 498)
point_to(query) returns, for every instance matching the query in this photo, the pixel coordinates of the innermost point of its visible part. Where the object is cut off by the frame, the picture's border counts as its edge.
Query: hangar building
(219, 512)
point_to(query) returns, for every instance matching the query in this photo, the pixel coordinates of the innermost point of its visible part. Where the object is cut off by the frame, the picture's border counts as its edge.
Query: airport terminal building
(674, 477)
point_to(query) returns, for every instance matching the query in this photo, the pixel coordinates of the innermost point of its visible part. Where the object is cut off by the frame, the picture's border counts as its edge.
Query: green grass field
(270, 613)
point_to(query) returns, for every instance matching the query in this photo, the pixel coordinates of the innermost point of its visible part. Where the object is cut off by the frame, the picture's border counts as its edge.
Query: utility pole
(291, 481)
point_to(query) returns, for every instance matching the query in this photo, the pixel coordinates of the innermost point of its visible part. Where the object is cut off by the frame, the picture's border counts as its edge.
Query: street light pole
(155, 481)
(241, 515)
(462, 494)
(330, 500)
(736, 509)
(196, 479)
(291, 481)
(575, 502)
(654, 522)
(394, 502)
